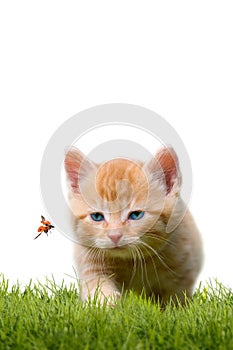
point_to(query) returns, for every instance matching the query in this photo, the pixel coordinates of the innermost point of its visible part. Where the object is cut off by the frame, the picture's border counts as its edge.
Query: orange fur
(137, 254)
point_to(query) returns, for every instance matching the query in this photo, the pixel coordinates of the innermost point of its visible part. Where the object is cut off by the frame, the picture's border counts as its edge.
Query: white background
(60, 57)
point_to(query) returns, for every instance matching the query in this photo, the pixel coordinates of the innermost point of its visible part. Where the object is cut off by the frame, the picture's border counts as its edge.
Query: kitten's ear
(165, 164)
(168, 161)
(77, 166)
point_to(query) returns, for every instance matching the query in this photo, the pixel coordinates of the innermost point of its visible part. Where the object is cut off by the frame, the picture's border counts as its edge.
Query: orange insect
(45, 228)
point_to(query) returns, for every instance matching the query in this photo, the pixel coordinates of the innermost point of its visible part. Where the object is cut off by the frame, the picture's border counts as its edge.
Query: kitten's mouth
(117, 247)
(118, 251)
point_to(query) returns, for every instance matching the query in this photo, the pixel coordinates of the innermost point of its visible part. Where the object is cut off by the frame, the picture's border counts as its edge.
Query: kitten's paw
(108, 299)
(113, 298)
(102, 296)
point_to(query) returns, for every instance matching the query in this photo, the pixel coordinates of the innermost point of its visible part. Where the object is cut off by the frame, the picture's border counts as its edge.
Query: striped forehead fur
(120, 175)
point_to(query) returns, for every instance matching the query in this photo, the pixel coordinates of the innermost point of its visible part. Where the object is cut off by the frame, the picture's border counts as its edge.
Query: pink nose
(115, 236)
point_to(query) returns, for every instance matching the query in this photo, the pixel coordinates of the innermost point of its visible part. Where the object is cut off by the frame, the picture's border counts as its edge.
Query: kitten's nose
(115, 236)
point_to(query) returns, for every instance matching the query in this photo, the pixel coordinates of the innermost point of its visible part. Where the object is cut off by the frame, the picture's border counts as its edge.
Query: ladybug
(47, 226)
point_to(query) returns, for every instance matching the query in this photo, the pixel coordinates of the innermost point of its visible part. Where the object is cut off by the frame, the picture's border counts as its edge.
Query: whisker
(154, 266)
(145, 266)
(159, 238)
(141, 265)
(132, 246)
(102, 263)
(90, 255)
(159, 257)
(86, 242)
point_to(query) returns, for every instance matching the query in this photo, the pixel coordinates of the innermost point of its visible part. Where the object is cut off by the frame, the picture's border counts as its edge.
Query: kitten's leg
(178, 295)
(96, 283)
(99, 288)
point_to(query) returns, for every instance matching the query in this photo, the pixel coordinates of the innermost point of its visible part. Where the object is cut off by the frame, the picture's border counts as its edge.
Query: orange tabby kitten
(132, 228)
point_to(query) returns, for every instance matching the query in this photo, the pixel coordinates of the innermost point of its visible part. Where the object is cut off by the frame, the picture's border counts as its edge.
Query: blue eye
(97, 216)
(136, 215)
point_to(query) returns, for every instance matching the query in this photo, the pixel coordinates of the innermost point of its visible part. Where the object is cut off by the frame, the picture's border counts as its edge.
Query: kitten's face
(115, 203)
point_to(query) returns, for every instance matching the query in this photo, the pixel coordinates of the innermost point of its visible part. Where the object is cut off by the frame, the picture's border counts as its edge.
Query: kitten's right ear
(77, 166)
(165, 165)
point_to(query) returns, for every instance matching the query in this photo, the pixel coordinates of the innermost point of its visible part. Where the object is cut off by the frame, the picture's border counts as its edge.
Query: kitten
(132, 227)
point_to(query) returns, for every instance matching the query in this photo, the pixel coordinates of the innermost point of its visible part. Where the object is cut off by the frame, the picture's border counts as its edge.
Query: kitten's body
(119, 252)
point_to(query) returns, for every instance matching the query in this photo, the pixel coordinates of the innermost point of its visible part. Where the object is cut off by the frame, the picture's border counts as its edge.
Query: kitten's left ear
(77, 167)
(165, 164)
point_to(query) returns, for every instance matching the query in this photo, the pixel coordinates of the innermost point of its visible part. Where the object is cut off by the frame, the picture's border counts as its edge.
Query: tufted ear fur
(165, 165)
(77, 166)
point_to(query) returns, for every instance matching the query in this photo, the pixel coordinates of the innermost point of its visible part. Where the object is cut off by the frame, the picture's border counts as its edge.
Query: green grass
(51, 317)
